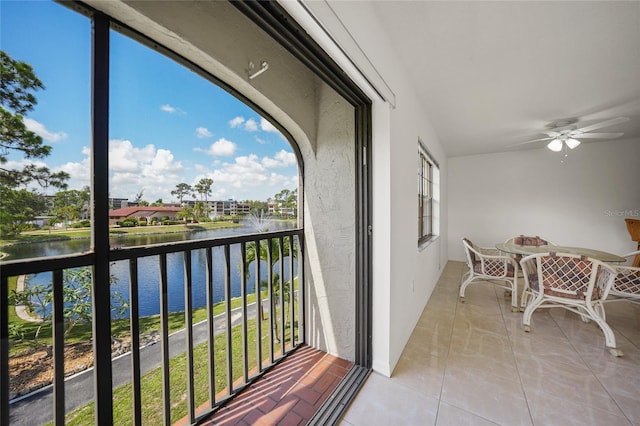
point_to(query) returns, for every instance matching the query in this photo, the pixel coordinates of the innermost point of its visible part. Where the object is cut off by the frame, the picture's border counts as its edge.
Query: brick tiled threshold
(289, 394)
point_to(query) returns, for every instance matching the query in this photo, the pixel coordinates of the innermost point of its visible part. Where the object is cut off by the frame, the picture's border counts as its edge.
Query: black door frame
(278, 24)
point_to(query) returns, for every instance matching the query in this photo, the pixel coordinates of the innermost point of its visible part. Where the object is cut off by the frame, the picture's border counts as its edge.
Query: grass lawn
(151, 388)
(119, 328)
(66, 234)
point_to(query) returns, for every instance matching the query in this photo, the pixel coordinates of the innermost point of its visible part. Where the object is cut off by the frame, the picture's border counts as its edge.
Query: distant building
(278, 208)
(222, 207)
(119, 203)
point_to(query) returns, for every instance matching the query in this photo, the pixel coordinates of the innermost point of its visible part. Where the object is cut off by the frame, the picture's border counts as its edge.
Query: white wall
(580, 202)
(403, 277)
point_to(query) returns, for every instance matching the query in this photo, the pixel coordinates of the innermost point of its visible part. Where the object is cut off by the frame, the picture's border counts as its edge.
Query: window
(428, 195)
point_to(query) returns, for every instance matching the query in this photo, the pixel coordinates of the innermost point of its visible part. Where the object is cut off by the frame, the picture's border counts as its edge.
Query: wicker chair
(626, 286)
(577, 283)
(488, 265)
(524, 240)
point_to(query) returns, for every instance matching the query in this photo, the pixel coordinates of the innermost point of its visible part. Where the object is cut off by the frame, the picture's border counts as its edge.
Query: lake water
(148, 268)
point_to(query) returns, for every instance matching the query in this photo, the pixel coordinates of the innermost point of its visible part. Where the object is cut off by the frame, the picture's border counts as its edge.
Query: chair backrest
(627, 282)
(470, 252)
(524, 240)
(568, 276)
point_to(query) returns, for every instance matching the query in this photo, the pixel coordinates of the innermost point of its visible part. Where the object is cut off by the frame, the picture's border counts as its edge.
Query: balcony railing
(198, 368)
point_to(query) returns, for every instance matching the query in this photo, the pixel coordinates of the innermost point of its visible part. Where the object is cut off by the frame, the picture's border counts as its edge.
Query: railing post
(188, 315)
(210, 326)
(58, 347)
(134, 318)
(100, 221)
(164, 340)
(4, 351)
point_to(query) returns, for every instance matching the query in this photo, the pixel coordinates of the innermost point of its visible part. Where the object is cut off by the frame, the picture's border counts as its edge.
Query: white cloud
(266, 126)
(250, 125)
(203, 132)
(40, 130)
(79, 172)
(171, 109)
(248, 176)
(132, 168)
(236, 122)
(281, 159)
(221, 147)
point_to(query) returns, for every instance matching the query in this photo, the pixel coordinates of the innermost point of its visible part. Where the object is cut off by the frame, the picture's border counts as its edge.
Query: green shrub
(129, 222)
(81, 224)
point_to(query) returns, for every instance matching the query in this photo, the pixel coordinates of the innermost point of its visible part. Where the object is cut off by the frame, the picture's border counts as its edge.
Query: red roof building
(143, 213)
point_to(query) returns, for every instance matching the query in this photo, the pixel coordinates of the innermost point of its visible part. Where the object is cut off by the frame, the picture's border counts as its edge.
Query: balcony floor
(471, 363)
(289, 394)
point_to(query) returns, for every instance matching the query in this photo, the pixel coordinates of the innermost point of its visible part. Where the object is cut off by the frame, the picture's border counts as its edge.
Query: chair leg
(609, 336)
(524, 299)
(526, 317)
(514, 294)
(466, 280)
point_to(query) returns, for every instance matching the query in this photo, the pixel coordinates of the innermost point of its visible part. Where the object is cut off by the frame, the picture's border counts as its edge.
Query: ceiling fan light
(555, 145)
(572, 143)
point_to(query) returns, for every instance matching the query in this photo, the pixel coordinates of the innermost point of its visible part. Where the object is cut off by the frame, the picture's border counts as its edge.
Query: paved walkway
(21, 310)
(37, 407)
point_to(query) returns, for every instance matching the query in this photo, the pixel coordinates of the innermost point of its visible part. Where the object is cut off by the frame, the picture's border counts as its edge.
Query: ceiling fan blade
(535, 140)
(599, 135)
(606, 123)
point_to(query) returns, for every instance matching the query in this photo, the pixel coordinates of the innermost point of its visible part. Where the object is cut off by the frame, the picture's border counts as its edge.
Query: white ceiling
(492, 74)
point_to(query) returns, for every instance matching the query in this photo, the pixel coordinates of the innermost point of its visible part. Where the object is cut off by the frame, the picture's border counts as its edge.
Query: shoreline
(114, 233)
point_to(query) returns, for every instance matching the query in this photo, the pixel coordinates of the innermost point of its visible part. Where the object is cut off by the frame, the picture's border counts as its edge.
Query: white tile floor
(472, 364)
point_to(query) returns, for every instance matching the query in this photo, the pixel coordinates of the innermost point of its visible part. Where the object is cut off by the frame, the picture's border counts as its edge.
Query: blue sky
(167, 124)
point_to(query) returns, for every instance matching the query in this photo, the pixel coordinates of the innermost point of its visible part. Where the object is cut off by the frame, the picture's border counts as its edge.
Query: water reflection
(148, 267)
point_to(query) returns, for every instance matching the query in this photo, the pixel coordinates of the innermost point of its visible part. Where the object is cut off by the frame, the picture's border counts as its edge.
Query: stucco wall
(580, 202)
(330, 228)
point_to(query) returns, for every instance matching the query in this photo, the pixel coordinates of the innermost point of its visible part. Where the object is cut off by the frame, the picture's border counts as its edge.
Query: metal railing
(202, 366)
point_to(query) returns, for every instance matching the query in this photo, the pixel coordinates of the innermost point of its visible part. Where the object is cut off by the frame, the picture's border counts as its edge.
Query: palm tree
(203, 187)
(185, 213)
(199, 210)
(262, 254)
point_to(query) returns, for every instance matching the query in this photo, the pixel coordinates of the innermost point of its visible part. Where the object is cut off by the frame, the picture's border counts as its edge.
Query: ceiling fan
(565, 133)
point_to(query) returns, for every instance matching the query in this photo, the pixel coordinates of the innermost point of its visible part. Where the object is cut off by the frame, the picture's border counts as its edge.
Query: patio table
(527, 250)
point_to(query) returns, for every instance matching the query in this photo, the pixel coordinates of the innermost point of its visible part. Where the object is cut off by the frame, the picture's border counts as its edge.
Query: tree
(199, 209)
(157, 203)
(182, 190)
(203, 187)
(76, 294)
(18, 82)
(287, 201)
(262, 254)
(185, 213)
(256, 206)
(17, 209)
(138, 197)
(71, 205)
